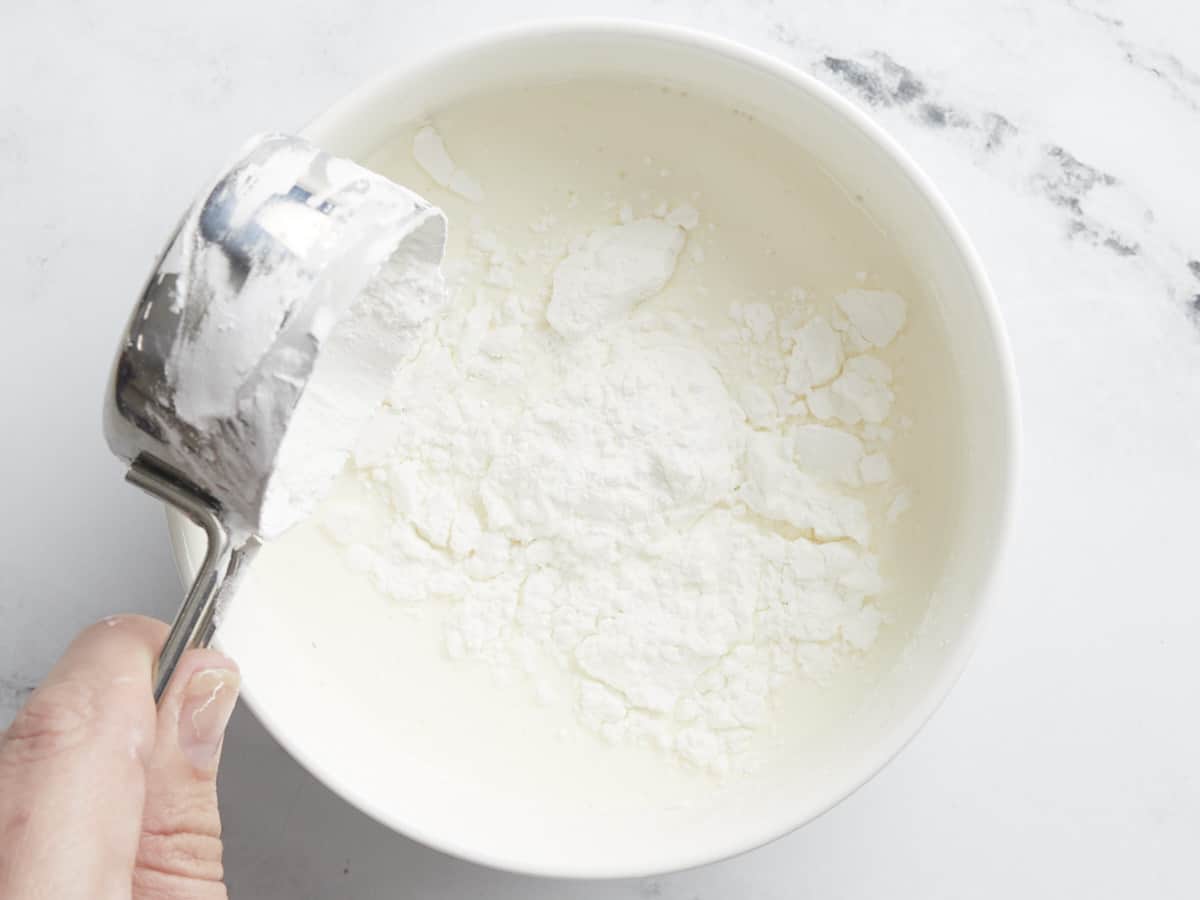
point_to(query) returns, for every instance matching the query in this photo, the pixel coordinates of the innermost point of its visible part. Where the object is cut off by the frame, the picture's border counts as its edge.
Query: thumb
(179, 854)
(72, 768)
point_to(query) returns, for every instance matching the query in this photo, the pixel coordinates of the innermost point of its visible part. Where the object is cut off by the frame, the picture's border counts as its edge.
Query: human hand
(103, 796)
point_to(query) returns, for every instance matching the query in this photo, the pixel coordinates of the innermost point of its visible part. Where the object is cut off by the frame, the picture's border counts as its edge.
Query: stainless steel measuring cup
(222, 345)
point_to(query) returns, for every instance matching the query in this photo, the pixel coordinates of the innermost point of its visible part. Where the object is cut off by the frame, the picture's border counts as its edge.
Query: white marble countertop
(1066, 136)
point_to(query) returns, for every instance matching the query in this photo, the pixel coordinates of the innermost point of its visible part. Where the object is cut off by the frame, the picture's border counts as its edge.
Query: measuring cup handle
(223, 562)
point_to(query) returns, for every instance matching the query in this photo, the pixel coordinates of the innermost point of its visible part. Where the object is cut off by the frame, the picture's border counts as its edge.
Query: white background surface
(1066, 136)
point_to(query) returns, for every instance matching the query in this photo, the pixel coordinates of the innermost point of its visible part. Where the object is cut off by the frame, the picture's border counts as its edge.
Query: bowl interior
(328, 715)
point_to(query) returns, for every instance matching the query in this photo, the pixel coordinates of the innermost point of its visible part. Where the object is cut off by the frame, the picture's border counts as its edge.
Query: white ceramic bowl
(859, 155)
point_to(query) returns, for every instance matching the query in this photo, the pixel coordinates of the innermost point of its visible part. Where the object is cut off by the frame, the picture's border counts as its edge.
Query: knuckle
(56, 718)
(184, 806)
(169, 856)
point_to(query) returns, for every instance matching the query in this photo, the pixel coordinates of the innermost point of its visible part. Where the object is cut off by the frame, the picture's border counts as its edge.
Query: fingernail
(208, 703)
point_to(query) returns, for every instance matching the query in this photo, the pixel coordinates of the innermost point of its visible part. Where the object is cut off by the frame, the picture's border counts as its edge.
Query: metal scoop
(219, 360)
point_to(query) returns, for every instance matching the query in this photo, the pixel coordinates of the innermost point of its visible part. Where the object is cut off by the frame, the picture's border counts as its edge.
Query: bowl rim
(877, 757)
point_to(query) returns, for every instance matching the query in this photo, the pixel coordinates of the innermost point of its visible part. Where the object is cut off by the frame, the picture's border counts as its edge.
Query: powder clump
(430, 152)
(617, 499)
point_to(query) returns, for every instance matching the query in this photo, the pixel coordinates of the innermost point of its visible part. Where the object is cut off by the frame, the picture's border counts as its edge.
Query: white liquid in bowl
(461, 752)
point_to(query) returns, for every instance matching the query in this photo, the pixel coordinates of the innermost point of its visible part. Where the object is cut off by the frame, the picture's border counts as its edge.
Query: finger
(179, 856)
(72, 767)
